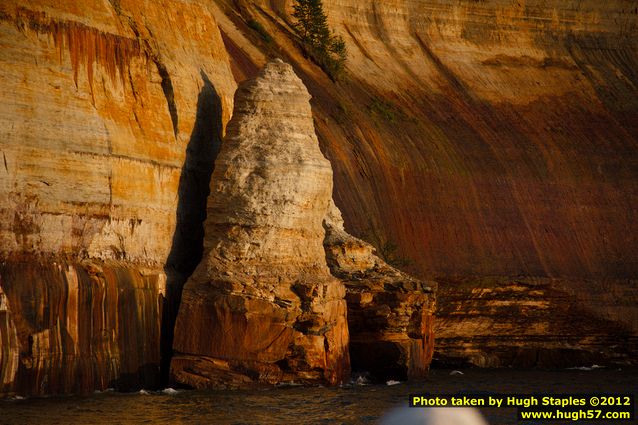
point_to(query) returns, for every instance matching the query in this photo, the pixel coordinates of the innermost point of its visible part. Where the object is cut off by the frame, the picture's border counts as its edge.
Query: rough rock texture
(99, 104)
(390, 314)
(109, 115)
(74, 327)
(484, 139)
(535, 322)
(262, 307)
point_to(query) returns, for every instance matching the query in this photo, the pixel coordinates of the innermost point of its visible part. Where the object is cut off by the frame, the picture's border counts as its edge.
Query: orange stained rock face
(77, 328)
(483, 138)
(86, 46)
(493, 138)
(101, 103)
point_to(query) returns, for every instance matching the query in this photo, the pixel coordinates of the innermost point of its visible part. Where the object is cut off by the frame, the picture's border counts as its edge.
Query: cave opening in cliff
(194, 187)
(380, 361)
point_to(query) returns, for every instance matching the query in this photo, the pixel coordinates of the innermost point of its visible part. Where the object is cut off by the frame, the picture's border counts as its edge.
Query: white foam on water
(456, 372)
(391, 383)
(587, 369)
(361, 380)
(289, 384)
(170, 391)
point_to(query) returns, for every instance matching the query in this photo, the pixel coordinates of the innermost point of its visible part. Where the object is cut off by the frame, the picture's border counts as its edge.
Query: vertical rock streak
(9, 353)
(75, 328)
(86, 46)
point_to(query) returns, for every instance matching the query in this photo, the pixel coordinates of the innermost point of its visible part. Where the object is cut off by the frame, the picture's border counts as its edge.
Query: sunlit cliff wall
(494, 142)
(110, 114)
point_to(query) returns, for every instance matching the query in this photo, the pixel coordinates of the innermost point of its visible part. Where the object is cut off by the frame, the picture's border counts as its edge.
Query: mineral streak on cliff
(9, 349)
(95, 171)
(74, 327)
(86, 45)
(262, 307)
(485, 138)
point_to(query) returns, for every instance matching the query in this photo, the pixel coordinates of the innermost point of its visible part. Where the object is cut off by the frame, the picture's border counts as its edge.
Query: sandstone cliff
(262, 307)
(494, 142)
(99, 105)
(110, 112)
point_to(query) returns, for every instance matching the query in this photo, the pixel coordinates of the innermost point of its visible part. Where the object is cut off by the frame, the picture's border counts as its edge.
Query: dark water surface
(297, 405)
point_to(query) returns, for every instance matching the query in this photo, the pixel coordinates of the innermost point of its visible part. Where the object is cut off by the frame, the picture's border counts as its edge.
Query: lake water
(298, 405)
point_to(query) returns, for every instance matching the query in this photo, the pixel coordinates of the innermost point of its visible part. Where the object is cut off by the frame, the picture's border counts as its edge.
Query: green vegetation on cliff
(320, 43)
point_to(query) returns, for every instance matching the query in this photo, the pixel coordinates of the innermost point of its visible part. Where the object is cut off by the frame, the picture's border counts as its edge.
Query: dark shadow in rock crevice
(169, 94)
(194, 188)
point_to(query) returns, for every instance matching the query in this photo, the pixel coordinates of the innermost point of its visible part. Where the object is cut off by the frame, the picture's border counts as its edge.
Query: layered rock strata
(70, 327)
(390, 314)
(485, 138)
(262, 306)
(100, 103)
(535, 322)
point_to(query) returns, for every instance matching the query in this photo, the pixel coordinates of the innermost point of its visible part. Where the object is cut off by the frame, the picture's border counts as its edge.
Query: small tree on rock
(326, 48)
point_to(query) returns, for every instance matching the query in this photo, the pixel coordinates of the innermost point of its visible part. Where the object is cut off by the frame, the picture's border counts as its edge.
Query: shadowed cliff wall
(492, 141)
(76, 327)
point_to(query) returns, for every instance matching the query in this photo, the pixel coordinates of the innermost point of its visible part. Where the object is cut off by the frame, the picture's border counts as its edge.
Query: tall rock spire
(262, 307)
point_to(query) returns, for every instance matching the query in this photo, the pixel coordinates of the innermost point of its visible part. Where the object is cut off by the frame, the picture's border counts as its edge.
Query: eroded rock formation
(262, 307)
(390, 314)
(486, 138)
(492, 142)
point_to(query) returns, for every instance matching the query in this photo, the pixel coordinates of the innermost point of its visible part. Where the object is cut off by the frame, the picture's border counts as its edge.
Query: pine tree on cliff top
(326, 49)
(312, 22)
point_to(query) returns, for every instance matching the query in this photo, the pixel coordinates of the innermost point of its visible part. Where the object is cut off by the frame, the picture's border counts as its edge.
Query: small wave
(289, 384)
(170, 391)
(587, 369)
(361, 380)
(392, 382)
(144, 392)
(456, 372)
(16, 398)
